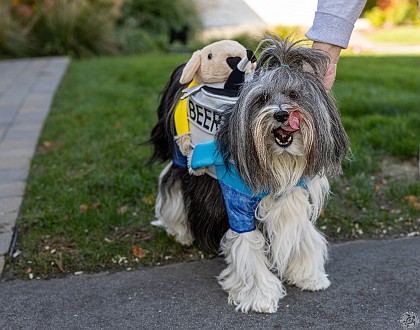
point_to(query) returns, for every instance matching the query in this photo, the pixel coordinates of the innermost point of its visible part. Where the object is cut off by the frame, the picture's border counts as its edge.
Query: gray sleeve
(334, 21)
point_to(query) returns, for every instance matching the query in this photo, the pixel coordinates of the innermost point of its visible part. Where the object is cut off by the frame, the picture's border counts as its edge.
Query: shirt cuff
(330, 29)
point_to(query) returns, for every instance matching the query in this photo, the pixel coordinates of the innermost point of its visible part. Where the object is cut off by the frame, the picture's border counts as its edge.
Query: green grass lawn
(408, 35)
(90, 197)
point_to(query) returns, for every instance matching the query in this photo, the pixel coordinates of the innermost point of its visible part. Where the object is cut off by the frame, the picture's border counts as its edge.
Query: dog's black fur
(206, 212)
(163, 133)
(203, 199)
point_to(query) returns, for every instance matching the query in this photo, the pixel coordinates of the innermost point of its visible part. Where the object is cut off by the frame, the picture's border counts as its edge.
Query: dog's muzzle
(289, 123)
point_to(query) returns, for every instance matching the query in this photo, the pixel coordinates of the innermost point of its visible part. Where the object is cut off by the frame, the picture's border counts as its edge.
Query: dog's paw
(261, 296)
(320, 283)
(184, 143)
(185, 239)
(157, 223)
(197, 172)
(260, 304)
(181, 234)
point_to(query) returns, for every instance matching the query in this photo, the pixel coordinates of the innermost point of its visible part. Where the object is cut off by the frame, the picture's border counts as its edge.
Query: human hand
(334, 54)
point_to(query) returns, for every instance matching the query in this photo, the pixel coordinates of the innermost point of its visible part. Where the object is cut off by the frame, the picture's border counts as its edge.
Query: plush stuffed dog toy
(218, 69)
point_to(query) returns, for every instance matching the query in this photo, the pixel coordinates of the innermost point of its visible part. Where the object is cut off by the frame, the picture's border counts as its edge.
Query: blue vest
(240, 202)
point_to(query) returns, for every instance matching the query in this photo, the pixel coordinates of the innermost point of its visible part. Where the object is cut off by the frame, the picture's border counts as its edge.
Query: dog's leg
(306, 266)
(169, 209)
(298, 250)
(250, 284)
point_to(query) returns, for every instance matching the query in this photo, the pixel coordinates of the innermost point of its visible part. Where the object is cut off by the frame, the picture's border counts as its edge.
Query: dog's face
(284, 126)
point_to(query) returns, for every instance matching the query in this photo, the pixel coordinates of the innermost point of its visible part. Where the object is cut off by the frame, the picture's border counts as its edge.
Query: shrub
(135, 40)
(57, 27)
(376, 16)
(248, 41)
(74, 27)
(251, 40)
(295, 32)
(369, 5)
(398, 13)
(89, 27)
(12, 40)
(403, 13)
(161, 17)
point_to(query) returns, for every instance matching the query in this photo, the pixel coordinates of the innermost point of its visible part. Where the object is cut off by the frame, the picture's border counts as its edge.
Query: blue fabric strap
(301, 183)
(206, 154)
(178, 159)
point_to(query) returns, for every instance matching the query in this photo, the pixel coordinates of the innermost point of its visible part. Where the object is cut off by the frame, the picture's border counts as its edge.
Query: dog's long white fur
(247, 279)
(294, 249)
(297, 249)
(291, 245)
(170, 213)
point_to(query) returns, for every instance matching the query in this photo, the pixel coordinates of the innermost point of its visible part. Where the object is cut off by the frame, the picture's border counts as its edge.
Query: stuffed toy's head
(214, 63)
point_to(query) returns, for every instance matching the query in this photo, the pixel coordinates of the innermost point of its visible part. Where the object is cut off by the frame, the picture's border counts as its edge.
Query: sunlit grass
(409, 35)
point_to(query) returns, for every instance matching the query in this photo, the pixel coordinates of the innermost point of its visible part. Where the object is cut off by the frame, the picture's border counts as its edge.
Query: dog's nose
(233, 61)
(281, 116)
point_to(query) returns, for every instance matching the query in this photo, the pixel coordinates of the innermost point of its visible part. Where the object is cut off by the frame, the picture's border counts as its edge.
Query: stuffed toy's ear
(191, 68)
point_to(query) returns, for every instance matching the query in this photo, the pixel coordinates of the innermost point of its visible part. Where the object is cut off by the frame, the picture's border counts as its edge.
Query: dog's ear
(191, 68)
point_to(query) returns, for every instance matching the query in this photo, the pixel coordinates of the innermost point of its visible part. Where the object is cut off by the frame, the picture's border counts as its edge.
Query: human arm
(334, 53)
(333, 25)
(334, 21)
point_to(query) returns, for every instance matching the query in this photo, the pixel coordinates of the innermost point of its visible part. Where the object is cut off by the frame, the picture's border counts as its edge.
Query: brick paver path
(27, 89)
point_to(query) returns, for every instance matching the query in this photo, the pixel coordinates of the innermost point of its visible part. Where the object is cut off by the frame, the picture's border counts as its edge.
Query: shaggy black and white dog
(282, 138)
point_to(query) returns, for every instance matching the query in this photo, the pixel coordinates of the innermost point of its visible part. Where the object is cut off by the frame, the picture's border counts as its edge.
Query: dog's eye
(293, 95)
(210, 56)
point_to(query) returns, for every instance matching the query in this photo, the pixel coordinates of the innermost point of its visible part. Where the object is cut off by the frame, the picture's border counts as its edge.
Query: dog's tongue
(294, 121)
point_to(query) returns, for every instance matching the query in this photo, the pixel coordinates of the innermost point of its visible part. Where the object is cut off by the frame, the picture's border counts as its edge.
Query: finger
(329, 78)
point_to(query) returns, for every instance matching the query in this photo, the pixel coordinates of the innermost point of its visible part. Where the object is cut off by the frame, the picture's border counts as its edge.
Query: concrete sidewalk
(27, 88)
(373, 284)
